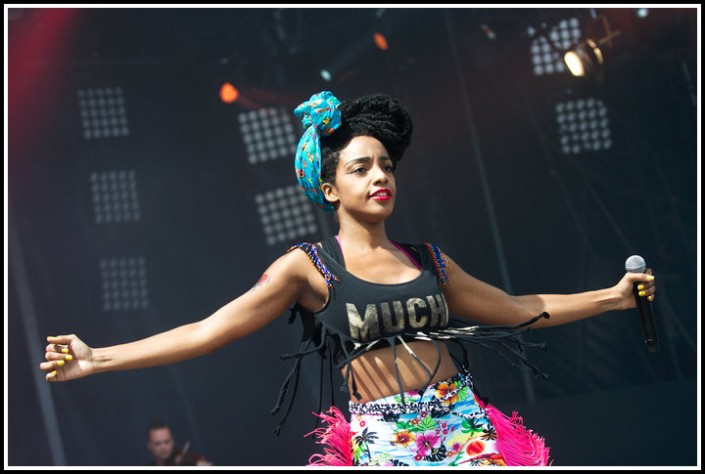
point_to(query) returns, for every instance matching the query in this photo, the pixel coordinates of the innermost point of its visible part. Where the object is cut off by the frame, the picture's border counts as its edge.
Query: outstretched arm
(285, 281)
(478, 301)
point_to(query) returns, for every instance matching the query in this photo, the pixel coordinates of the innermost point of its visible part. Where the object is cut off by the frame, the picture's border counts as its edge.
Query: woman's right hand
(67, 358)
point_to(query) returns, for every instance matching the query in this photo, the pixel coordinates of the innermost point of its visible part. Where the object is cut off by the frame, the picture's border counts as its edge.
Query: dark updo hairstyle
(376, 115)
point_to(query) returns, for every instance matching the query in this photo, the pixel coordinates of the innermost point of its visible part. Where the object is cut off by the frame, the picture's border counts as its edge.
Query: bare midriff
(375, 374)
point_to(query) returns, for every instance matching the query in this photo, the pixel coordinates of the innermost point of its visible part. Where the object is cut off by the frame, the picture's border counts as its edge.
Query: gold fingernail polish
(650, 277)
(650, 298)
(52, 374)
(640, 286)
(641, 293)
(65, 350)
(60, 363)
(70, 357)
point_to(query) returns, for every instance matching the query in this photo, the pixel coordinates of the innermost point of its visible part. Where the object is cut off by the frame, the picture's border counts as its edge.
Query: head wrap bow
(320, 117)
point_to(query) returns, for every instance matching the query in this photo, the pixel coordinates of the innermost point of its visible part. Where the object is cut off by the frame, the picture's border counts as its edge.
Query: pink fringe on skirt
(519, 445)
(337, 439)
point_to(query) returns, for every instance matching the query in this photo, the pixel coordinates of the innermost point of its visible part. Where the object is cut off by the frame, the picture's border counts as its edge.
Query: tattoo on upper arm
(263, 280)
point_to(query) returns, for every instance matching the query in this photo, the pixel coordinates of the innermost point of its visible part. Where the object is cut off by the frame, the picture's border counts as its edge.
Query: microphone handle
(648, 326)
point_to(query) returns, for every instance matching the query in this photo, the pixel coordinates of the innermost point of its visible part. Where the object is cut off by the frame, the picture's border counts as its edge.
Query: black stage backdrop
(139, 201)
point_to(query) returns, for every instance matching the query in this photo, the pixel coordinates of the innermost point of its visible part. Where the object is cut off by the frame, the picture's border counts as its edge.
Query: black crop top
(360, 316)
(360, 312)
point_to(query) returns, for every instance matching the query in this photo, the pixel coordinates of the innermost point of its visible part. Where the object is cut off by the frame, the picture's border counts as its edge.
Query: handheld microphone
(636, 264)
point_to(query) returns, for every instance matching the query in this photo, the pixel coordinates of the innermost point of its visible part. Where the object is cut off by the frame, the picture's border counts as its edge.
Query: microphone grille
(635, 264)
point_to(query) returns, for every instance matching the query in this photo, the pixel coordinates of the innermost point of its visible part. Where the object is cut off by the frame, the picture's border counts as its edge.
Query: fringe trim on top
(519, 445)
(336, 437)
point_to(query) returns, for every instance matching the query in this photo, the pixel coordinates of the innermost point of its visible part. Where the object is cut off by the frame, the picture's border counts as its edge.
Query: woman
(378, 308)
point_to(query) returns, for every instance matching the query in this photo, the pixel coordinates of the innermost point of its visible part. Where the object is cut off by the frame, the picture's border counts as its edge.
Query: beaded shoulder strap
(311, 251)
(439, 262)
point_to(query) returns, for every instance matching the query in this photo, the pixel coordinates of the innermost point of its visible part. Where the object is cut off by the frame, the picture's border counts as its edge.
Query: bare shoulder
(303, 263)
(294, 262)
(455, 274)
(290, 273)
(300, 261)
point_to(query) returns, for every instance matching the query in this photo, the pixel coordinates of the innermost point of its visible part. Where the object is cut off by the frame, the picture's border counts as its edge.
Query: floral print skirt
(441, 424)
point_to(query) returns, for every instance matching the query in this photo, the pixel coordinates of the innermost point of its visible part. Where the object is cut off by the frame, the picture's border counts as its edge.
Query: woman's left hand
(645, 286)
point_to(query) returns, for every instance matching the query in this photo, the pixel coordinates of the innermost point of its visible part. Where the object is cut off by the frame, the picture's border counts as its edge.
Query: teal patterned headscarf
(320, 117)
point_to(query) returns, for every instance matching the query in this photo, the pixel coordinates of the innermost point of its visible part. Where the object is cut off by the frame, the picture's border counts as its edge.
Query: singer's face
(160, 444)
(364, 188)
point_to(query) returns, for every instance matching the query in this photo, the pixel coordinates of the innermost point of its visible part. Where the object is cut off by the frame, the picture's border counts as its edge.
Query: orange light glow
(228, 93)
(381, 41)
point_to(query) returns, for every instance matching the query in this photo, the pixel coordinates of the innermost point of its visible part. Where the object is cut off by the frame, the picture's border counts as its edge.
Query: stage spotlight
(285, 214)
(547, 48)
(381, 41)
(228, 93)
(583, 126)
(586, 59)
(124, 283)
(268, 134)
(103, 113)
(115, 196)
